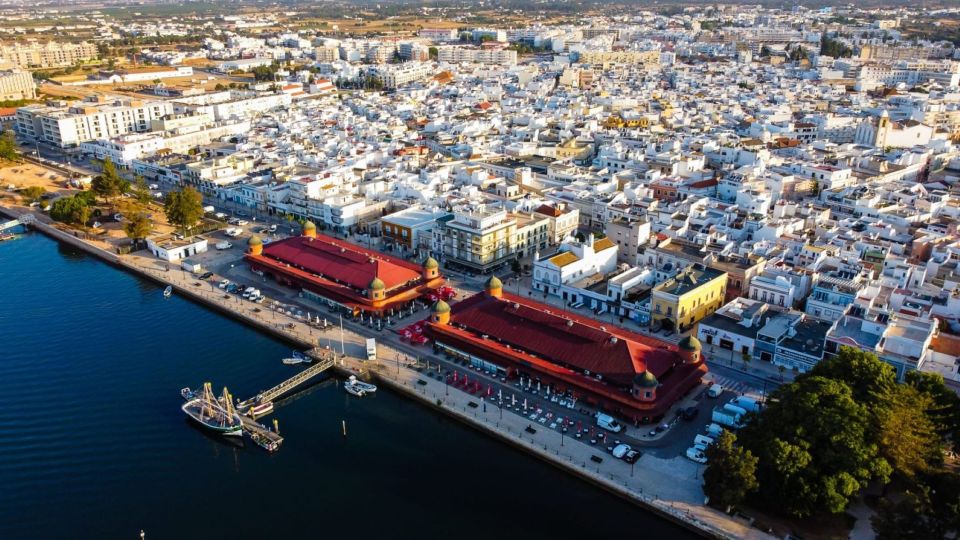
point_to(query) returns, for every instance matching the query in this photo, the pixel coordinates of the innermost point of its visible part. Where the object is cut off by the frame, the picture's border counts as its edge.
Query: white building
(396, 75)
(575, 261)
(171, 249)
(16, 85)
(459, 55)
(67, 127)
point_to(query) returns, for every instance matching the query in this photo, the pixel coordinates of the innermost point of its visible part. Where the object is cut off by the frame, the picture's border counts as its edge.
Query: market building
(343, 275)
(629, 375)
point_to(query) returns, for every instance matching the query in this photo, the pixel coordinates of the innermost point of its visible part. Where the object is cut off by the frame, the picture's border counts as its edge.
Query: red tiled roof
(341, 261)
(548, 210)
(580, 344)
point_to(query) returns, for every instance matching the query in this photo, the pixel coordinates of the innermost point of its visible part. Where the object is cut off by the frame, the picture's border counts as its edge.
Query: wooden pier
(323, 359)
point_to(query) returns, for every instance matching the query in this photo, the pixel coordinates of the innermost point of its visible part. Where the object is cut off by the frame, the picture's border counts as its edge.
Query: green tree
(731, 472)
(816, 447)
(73, 210)
(8, 146)
(33, 194)
(944, 409)
(138, 226)
(929, 510)
(908, 438)
(870, 379)
(108, 184)
(184, 208)
(141, 191)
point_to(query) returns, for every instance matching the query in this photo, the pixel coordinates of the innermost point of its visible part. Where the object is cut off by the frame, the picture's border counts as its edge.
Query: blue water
(93, 443)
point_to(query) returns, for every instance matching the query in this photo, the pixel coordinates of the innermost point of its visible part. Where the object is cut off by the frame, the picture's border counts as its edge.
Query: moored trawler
(214, 414)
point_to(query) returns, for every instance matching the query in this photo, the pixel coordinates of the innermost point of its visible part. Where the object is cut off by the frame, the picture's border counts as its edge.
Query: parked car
(242, 222)
(632, 456)
(715, 390)
(206, 275)
(620, 450)
(696, 455)
(689, 413)
(223, 283)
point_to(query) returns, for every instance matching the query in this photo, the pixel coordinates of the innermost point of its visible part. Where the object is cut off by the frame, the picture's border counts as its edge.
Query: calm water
(93, 444)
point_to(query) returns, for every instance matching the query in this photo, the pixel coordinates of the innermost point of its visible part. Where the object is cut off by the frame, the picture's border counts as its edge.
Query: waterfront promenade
(668, 487)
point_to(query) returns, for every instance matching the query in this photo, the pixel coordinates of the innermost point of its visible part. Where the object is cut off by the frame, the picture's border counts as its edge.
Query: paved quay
(669, 487)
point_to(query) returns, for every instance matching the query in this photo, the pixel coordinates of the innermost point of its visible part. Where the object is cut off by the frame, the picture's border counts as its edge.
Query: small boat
(293, 361)
(168, 291)
(352, 389)
(261, 409)
(297, 357)
(188, 394)
(367, 388)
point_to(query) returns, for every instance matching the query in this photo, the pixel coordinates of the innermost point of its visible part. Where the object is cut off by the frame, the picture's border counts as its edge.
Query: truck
(607, 422)
(714, 431)
(371, 349)
(748, 404)
(725, 417)
(223, 245)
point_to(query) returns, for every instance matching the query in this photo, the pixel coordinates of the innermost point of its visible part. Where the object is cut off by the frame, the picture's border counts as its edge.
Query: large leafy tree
(140, 191)
(73, 210)
(109, 184)
(870, 379)
(184, 208)
(816, 447)
(138, 226)
(930, 509)
(731, 473)
(8, 146)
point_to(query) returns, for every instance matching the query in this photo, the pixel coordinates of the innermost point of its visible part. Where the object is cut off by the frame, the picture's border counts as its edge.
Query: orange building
(341, 274)
(623, 373)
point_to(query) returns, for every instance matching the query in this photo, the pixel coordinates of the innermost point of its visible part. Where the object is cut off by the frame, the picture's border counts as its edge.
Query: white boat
(366, 388)
(262, 409)
(168, 291)
(352, 389)
(293, 361)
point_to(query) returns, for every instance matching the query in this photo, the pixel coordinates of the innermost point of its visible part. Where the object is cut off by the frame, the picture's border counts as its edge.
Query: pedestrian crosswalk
(733, 385)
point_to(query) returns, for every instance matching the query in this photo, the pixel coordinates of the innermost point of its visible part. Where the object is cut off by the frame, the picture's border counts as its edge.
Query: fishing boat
(261, 409)
(168, 291)
(292, 361)
(367, 388)
(214, 414)
(353, 389)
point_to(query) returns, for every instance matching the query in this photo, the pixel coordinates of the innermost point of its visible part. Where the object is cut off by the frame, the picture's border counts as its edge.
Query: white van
(715, 390)
(608, 423)
(702, 440)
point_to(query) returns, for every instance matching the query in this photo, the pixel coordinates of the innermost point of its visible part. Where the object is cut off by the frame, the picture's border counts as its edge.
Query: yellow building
(684, 300)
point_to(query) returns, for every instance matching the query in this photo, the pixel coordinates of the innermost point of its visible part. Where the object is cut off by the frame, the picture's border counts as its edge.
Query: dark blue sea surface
(93, 443)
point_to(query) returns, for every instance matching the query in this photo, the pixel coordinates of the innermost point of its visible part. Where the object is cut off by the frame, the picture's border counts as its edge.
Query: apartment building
(488, 237)
(562, 220)
(619, 57)
(439, 34)
(476, 55)
(98, 118)
(682, 301)
(396, 75)
(47, 55)
(16, 85)
(629, 236)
